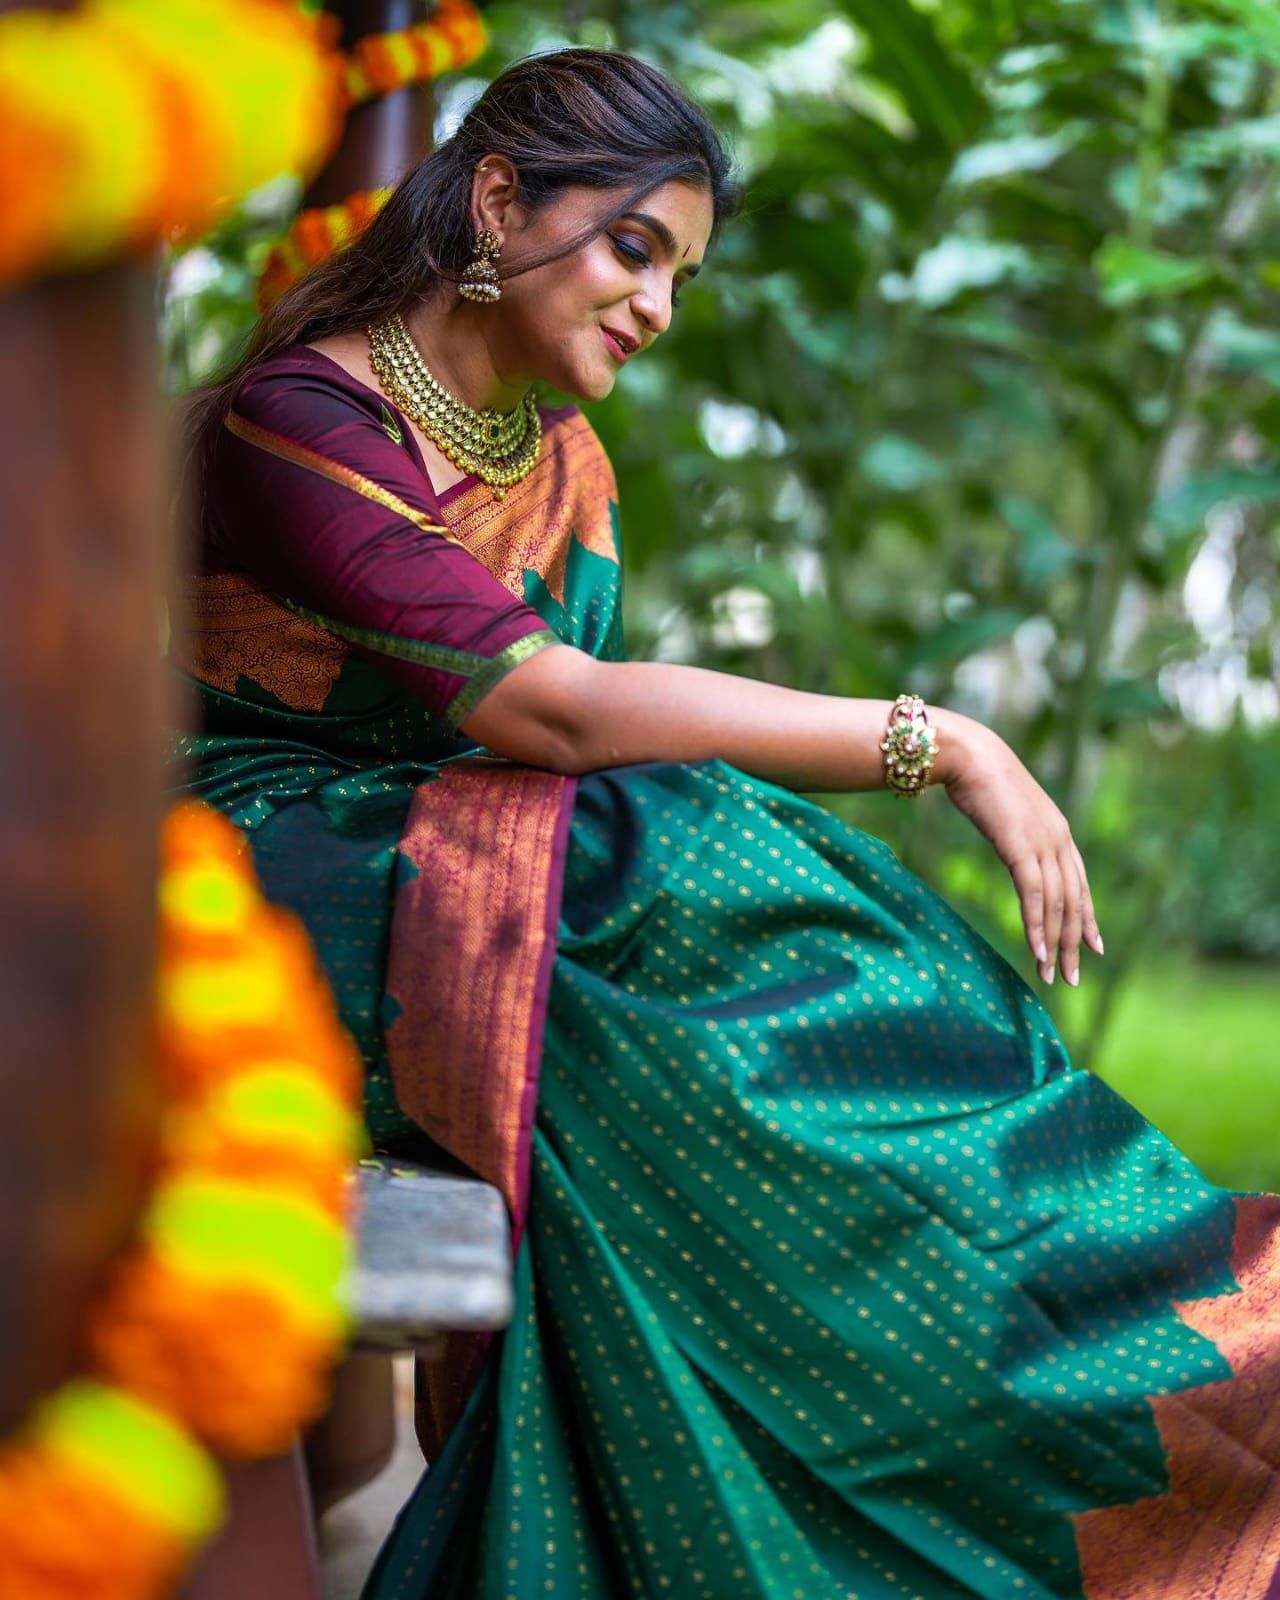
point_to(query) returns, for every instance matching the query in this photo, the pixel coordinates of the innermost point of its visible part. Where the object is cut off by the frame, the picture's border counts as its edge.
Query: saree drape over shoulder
(834, 1278)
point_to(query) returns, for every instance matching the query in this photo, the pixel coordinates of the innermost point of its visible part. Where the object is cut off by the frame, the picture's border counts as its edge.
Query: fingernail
(1101, 946)
(1042, 953)
(1073, 978)
(1047, 974)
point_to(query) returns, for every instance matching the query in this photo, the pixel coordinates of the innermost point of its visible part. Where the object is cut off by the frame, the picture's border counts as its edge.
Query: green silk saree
(834, 1277)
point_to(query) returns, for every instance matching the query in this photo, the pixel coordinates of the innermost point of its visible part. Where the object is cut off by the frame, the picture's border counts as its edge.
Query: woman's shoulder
(299, 406)
(296, 375)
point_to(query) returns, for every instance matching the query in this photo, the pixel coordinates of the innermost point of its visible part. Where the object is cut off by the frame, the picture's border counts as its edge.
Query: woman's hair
(597, 118)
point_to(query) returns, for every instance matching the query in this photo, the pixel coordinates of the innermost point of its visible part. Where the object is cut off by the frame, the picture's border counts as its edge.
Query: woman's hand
(1033, 839)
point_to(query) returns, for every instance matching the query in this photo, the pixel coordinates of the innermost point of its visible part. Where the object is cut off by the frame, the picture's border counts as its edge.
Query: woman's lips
(616, 348)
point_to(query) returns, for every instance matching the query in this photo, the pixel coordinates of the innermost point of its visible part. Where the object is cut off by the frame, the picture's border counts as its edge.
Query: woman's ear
(495, 195)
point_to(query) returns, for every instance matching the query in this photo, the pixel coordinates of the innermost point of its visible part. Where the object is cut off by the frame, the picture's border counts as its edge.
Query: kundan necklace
(501, 448)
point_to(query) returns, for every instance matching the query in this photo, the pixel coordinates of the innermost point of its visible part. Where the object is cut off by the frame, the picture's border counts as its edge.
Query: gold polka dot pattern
(840, 1280)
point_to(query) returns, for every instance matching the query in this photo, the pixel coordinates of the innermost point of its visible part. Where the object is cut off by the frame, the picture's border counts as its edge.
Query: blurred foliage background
(980, 396)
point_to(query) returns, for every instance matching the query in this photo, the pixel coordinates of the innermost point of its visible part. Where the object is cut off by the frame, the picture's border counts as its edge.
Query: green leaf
(1129, 272)
(1239, 346)
(1018, 394)
(899, 465)
(824, 256)
(1201, 39)
(1124, 699)
(956, 264)
(817, 151)
(905, 52)
(1043, 553)
(1248, 136)
(1260, 19)
(1181, 511)
(1265, 417)
(954, 641)
(1025, 152)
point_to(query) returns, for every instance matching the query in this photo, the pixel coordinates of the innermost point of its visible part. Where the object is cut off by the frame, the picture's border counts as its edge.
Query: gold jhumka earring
(480, 280)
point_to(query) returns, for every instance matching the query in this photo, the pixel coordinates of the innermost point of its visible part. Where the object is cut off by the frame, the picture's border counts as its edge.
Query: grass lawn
(1196, 1047)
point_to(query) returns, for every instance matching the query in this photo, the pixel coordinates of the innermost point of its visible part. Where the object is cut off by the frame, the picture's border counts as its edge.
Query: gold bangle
(910, 747)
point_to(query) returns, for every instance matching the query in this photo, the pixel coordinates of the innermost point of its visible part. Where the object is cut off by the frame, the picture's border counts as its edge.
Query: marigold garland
(378, 64)
(218, 1330)
(313, 237)
(125, 121)
(452, 37)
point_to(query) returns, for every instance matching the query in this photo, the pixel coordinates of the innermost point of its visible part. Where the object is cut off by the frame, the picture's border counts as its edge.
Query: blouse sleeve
(309, 492)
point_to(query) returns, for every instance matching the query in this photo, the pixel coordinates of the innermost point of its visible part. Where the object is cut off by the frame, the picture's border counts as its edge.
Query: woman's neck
(456, 346)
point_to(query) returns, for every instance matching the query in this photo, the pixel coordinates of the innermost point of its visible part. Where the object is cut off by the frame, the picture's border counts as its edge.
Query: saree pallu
(834, 1277)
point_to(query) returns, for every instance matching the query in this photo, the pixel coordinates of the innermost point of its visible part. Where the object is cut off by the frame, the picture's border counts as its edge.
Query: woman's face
(575, 322)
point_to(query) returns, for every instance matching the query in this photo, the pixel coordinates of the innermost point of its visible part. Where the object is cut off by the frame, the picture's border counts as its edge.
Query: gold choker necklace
(501, 448)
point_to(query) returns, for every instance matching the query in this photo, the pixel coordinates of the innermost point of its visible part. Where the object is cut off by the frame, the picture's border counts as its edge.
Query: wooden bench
(433, 1255)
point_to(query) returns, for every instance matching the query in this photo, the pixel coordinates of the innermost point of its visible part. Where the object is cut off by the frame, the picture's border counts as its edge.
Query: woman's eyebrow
(663, 233)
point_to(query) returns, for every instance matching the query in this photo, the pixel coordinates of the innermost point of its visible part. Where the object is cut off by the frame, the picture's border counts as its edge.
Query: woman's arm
(566, 711)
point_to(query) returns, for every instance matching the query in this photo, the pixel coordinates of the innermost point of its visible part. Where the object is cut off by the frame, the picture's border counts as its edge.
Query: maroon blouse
(317, 490)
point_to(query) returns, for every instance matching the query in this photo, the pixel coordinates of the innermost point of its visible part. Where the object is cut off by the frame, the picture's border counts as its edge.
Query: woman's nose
(654, 310)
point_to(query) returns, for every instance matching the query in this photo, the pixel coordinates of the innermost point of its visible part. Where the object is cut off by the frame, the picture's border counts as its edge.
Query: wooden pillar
(385, 137)
(82, 489)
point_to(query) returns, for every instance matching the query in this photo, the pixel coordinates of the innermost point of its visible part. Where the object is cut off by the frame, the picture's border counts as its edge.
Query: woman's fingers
(1092, 936)
(1057, 909)
(1026, 880)
(1073, 916)
(1054, 906)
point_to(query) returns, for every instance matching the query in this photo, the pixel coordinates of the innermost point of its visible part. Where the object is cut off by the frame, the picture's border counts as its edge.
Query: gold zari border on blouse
(481, 672)
(346, 477)
(485, 677)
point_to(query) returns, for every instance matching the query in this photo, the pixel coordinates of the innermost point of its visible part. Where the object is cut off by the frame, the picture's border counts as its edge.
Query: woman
(833, 1277)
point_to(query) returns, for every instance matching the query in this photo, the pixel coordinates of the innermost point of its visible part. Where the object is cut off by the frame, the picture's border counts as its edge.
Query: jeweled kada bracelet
(910, 746)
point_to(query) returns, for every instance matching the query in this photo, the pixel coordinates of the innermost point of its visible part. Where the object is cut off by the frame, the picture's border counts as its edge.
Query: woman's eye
(640, 257)
(630, 251)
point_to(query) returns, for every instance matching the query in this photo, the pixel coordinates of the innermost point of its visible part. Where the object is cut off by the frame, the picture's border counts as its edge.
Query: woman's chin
(586, 383)
(603, 385)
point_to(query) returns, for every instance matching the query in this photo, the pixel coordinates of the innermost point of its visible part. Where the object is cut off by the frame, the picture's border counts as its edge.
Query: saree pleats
(839, 1279)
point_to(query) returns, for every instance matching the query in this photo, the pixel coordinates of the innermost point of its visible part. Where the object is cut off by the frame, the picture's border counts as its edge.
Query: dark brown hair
(596, 118)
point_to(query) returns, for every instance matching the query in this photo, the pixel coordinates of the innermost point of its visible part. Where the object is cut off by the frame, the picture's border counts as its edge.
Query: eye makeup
(640, 258)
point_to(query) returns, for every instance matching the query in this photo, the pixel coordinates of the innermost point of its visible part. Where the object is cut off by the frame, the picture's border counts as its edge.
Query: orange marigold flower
(232, 1362)
(57, 1522)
